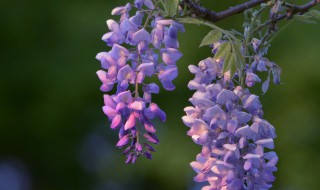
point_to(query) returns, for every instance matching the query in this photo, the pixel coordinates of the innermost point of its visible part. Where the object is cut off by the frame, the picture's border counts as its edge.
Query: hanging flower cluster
(226, 120)
(137, 52)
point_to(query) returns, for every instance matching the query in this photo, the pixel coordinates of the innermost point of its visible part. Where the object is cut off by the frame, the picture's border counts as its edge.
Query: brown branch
(302, 8)
(213, 16)
(200, 11)
(240, 8)
(294, 9)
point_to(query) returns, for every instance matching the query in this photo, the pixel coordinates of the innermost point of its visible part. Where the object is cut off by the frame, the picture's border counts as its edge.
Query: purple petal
(242, 117)
(129, 158)
(193, 69)
(127, 150)
(151, 138)
(198, 129)
(141, 35)
(102, 75)
(124, 97)
(276, 75)
(112, 73)
(137, 19)
(113, 25)
(147, 155)
(149, 127)
(118, 51)
(244, 132)
(226, 95)
(149, 4)
(168, 85)
(261, 66)
(151, 88)
(137, 105)
(140, 77)
(138, 147)
(170, 39)
(214, 112)
(242, 142)
(108, 101)
(247, 165)
(154, 111)
(149, 147)
(106, 87)
(110, 112)
(126, 73)
(169, 74)
(121, 10)
(157, 36)
(138, 3)
(170, 55)
(251, 79)
(232, 126)
(272, 162)
(127, 25)
(268, 143)
(188, 121)
(252, 104)
(265, 85)
(201, 177)
(146, 68)
(123, 141)
(105, 59)
(134, 159)
(270, 155)
(130, 123)
(116, 122)
(196, 166)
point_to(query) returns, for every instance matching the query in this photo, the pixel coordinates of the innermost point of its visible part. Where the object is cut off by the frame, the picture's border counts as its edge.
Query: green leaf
(212, 37)
(304, 18)
(226, 66)
(170, 6)
(190, 20)
(233, 64)
(230, 64)
(239, 56)
(223, 50)
(315, 14)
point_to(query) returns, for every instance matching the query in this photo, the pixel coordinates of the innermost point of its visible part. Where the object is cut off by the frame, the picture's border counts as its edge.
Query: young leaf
(230, 64)
(233, 64)
(304, 18)
(212, 37)
(223, 50)
(190, 20)
(315, 14)
(237, 50)
(170, 7)
(173, 7)
(226, 66)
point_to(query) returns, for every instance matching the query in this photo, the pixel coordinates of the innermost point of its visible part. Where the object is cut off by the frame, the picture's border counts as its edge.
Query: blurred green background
(54, 135)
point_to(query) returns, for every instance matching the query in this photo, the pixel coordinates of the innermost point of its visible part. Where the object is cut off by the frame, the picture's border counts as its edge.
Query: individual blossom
(143, 44)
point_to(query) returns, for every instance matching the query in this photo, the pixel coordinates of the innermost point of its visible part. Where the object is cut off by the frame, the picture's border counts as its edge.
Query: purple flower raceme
(226, 120)
(150, 53)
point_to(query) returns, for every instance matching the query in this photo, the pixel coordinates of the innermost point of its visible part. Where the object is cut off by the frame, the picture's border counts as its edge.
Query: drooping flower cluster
(261, 64)
(152, 52)
(226, 120)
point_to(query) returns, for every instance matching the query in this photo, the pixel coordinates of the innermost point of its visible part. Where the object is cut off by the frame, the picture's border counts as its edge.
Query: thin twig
(212, 16)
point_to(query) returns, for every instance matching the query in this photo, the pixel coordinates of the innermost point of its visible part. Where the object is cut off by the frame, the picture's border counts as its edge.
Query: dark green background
(50, 104)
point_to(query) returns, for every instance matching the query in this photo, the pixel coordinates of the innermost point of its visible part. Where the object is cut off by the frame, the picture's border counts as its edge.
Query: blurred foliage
(50, 103)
